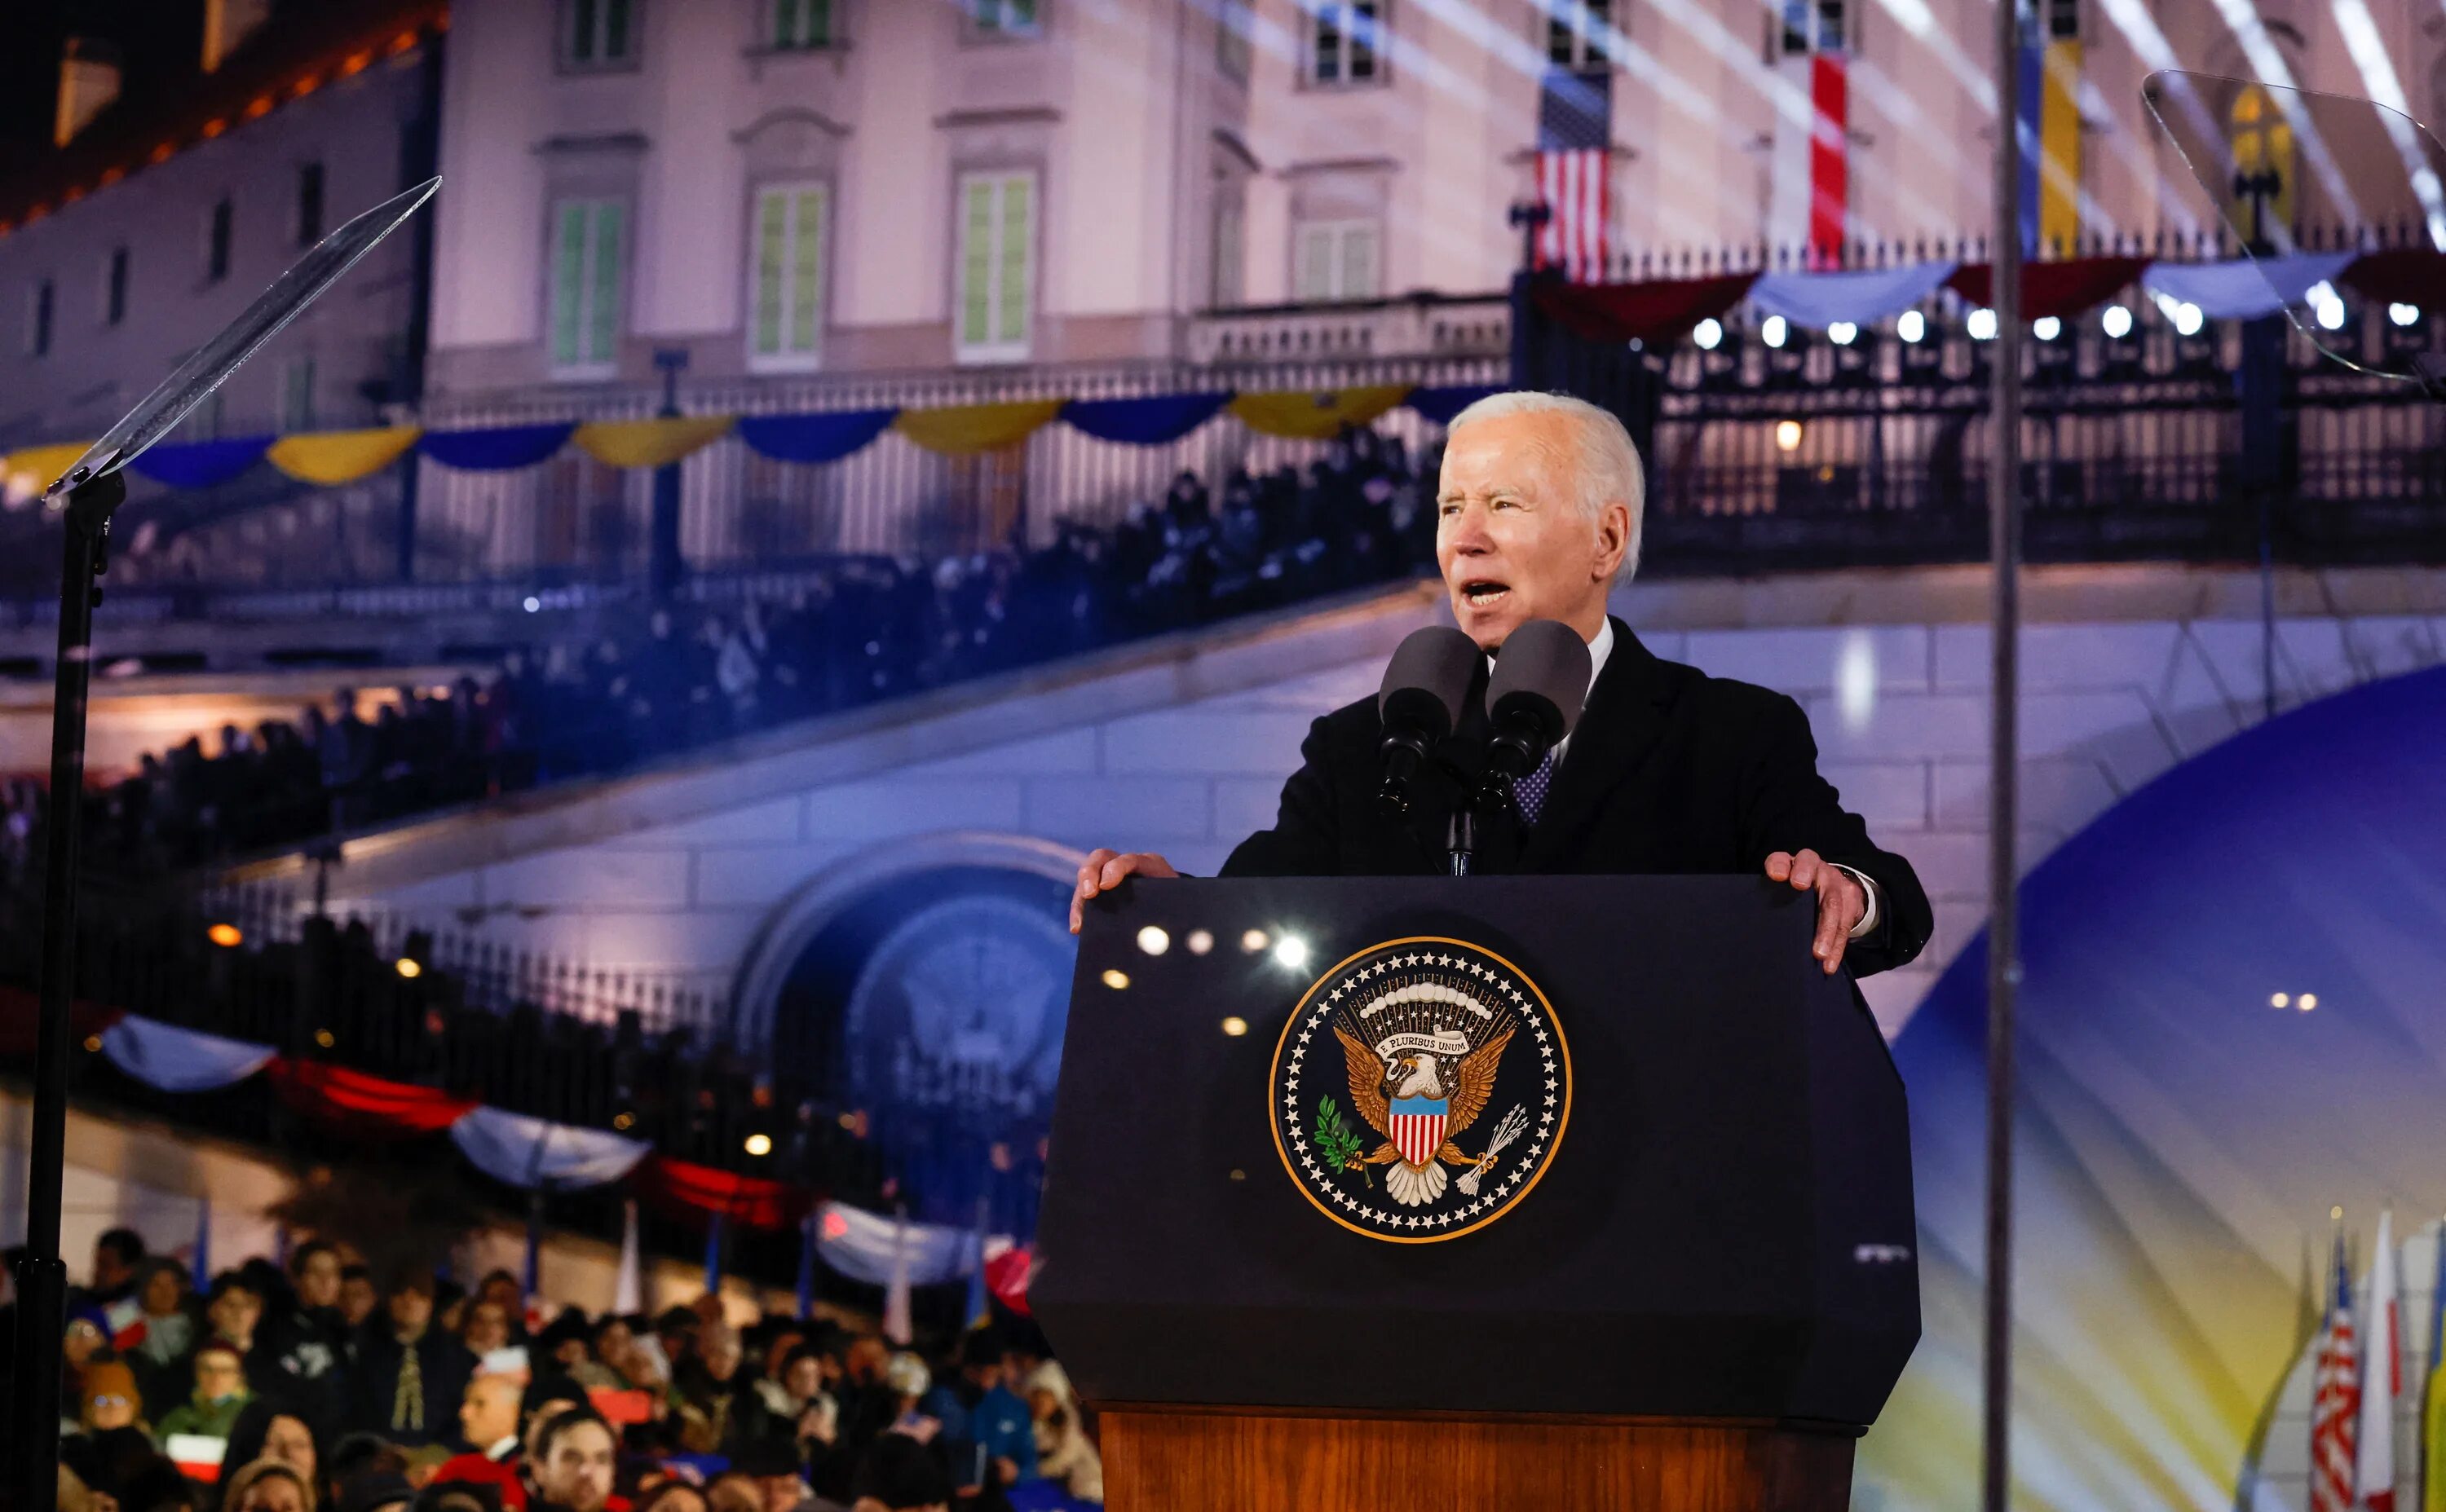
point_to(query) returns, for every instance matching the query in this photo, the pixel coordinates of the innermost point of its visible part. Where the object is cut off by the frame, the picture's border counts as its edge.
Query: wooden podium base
(1179, 1459)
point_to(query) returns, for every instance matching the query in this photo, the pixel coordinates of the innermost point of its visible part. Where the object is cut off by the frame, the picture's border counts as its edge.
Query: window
(1345, 38)
(217, 243)
(309, 203)
(1233, 22)
(801, 25)
(598, 33)
(2262, 141)
(997, 265)
(113, 288)
(1335, 260)
(1813, 25)
(589, 257)
(38, 320)
(297, 394)
(1006, 18)
(2063, 20)
(787, 288)
(1230, 260)
(1576, 31)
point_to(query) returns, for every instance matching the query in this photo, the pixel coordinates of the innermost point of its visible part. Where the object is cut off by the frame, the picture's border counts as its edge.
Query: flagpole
(2003, 954)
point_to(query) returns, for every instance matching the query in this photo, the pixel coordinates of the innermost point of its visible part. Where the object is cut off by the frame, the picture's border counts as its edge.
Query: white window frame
(1001, 28)
(1347, 19)
(1228, 285)
(1582, 26)
(787, 30)
(589, 364)
(1339, 232)
(1811, 32)
(995, 346)
(791, 195)
(566, 25)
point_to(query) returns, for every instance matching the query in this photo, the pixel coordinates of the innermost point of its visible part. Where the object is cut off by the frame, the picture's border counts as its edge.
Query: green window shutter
(1018, 247)
(772, 238)
(819, 23)
(786, 22)
(568, 283)
(610, 251)
(1023, 14)
(807, 273)
(615, 28)
(976, 262)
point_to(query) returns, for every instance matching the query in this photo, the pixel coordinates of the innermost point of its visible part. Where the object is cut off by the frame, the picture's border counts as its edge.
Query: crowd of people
(857, 632)
(317, 1387)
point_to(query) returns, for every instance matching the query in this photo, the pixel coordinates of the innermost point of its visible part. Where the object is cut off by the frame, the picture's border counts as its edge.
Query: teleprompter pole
(42, 1274)
(2003, 951)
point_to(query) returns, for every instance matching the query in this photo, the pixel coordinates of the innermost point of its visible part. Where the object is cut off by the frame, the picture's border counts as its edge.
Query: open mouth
(1480, 593)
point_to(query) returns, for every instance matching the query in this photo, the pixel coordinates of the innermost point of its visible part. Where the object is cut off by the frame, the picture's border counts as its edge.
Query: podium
(1322, 1229)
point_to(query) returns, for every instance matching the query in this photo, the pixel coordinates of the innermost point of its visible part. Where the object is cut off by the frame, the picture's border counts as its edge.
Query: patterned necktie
(408, 1403)
(1530, 792)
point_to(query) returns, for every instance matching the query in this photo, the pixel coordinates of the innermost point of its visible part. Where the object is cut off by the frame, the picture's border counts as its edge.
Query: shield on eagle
(1417, 1126)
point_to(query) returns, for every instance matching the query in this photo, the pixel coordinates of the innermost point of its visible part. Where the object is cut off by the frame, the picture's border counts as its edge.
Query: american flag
(2335, 1400)
(1575, 135)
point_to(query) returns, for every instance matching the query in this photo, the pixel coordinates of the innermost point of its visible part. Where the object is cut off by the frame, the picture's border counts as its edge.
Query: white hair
(1607, 467)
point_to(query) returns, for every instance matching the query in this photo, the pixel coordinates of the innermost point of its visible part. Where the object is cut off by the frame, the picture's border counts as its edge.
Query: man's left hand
(1841, 902)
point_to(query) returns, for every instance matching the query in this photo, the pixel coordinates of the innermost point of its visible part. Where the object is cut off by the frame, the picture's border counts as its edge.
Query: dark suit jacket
(1670, 770)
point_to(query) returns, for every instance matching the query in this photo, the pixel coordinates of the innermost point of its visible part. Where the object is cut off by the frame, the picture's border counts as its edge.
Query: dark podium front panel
(1724, 1229)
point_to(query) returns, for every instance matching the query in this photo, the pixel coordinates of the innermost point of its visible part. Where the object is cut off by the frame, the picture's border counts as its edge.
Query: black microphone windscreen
(1439, 661)
(1545, 658)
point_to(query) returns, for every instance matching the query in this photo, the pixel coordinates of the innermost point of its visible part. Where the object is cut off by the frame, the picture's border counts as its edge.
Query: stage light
(532, 604)
(1200, 942)
(2306, 1001)
(2188, 319)
(1787, 436)
(2046, 328)
(624, 1120)
(2280, 1000)
(2116, 322)
(1291, 951)
(1709, 335)
(1982, 325)
(1912, 327)
(409, 970)
(92, 1043)
(1254, 941)
(2328, 307)
(225, 935)
(1842, 332)
(1774, 331)
(324, 1039)
(1153, 941)
(2336, 1213)
(1117, 979)
(760, 1145)
(2404, 314)
(1235, 1026)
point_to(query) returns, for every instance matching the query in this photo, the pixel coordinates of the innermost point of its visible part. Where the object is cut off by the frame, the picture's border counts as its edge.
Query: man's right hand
(1104, 870)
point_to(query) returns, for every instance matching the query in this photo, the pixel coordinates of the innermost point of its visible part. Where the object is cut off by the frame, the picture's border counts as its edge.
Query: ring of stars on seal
(1421, 1089)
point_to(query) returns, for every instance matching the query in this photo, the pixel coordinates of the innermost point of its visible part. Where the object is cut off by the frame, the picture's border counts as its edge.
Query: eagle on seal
(1377, 1082)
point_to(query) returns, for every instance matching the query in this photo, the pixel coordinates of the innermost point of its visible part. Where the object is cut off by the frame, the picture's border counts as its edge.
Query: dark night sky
(159, 41)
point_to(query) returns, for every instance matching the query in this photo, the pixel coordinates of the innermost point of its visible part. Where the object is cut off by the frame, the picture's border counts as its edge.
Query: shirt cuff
(1869, 919)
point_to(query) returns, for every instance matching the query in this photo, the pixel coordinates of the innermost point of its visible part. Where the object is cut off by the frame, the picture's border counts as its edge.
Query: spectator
(268, 1485)
(220, 1394)
(235, 1313)
(409, 1376)
(160, 1358)
(303, 1350)
(674, 1496)
(573, 1471)
(795, 1400)
(775, 1469)
(1064, 1454)
(358, 1296)
(376, 1491)
(898, 1475)
(265, 1430)
(107, 1397)
(717, 1411)
(487, 1329)
(116, 1257)
(979, 1407)
(488, 1416)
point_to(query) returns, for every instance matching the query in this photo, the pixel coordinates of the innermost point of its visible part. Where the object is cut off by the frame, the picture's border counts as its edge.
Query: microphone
(1432, 677)
(1540, 682)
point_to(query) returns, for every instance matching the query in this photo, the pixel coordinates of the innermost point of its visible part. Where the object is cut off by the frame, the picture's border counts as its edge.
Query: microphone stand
(42, 1274)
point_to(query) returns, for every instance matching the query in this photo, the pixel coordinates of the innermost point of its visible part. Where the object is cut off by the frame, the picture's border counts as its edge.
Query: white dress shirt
(1602, 647)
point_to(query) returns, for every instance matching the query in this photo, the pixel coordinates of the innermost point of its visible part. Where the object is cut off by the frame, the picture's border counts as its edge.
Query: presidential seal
(1421, 1089)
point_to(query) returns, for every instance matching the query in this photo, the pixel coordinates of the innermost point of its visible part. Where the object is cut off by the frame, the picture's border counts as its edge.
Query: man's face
(502, 1292)
(357, 1298)
(576, 1473)
(218, 1376)
(410, 1311)
(234, 1314)
(489, 1413)
(488, 1328)
(318, 1280)
(115, 1411)
(722, 1357)
(781, 1492)
(289, 1441)
(1511, 539)
(109, 1271)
